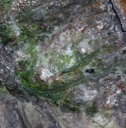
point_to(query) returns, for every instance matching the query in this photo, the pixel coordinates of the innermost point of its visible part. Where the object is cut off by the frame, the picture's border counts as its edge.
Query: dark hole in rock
(90, 70)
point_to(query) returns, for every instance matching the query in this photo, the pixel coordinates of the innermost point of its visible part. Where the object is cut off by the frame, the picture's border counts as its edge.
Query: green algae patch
(57, 90)
(68, 76)
(91, 109)
(66, 66)
(78, 37)
(3, 90)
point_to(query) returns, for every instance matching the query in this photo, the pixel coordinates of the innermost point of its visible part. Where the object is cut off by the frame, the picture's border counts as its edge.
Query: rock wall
(62, 64)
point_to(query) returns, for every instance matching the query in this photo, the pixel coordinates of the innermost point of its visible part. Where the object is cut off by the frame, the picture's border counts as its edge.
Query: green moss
(57, 89)
(32, 31)
(5, 5)
(26, 73)
(29, 37)
(70, 105)
(7, 34)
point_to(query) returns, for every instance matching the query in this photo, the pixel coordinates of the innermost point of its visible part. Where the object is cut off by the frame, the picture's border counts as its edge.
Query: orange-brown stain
(122, 4)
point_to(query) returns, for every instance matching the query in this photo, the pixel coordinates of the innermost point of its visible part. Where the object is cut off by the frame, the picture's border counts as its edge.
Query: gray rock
(62, 64)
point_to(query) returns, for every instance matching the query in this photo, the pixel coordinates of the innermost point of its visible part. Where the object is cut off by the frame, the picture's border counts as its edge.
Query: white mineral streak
(72, 62)
(68, 51)
(84, 50)
(118, 92)
(16, 30)
(111, 100)
(20, 55)
(38, 48)
(84, 46)
(14, 25)
(20, 4)
(88, 95)
(85, 94)
(45, 74)
(99, 25)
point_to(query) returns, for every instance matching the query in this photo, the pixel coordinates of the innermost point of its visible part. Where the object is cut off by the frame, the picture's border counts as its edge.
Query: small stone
(45, 74)
(101, 119)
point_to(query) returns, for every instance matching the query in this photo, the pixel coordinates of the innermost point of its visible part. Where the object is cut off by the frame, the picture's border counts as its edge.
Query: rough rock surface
(120, 8)
(62, 64)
